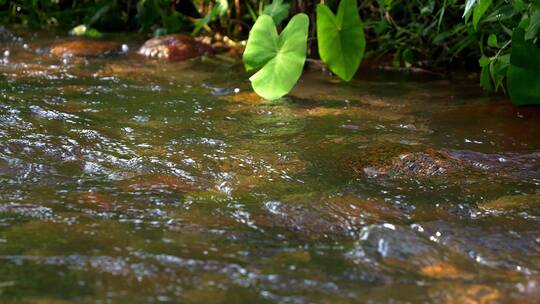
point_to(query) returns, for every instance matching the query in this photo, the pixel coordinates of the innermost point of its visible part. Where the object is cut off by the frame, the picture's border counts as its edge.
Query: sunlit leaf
(341, 38)
(524, 72)
(280, 57)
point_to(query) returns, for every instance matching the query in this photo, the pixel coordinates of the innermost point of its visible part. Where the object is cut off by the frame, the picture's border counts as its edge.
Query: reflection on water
(130, 181)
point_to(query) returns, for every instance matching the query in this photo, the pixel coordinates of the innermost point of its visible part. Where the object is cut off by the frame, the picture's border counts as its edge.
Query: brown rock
(397, 160)
(174, 48)
(85, 48)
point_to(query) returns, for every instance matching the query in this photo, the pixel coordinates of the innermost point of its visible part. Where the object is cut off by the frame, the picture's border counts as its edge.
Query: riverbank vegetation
(497, 37)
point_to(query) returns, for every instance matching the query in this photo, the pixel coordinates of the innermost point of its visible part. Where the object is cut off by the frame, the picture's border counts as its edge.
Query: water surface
(131, 181)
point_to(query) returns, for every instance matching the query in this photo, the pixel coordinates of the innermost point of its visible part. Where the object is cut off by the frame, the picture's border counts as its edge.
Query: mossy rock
(405, 161)
(529, 203)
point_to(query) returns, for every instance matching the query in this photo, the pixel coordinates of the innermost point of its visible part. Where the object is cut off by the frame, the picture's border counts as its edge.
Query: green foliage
(512, 30)
(428, 34)
(220, 9)
(479, 11)
(30, 12)
(280, 57)
(524, 71)
(341, 44)
(341, 38)
(532, 22)
(159, 16)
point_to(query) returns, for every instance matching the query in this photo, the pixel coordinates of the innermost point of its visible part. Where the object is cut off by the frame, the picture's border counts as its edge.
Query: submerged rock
(175, 47)
(494, 244)
(85, 48)
(397, 160)
(529, 203)
(465, 294)
(448, 174)
(333, 217)
(518, 165)
(398, 247)
(249, 98)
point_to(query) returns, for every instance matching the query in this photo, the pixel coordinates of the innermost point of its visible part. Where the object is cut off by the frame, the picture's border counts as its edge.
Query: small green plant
(341, 44)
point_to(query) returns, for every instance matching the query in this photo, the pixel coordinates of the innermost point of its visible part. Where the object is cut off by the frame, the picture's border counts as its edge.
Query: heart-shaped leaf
(280, 57)
(524, 72)
(341, 38)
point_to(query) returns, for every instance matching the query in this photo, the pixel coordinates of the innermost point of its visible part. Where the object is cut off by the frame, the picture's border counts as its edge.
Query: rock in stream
(85, 48)
(175, 47)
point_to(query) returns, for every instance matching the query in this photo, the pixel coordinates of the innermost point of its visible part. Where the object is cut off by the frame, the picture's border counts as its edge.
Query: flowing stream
(124, 180)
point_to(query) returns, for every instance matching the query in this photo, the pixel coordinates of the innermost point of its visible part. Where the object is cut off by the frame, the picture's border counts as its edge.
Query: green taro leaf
(341, 38)
(280, 57)
(277, 10)
(524, 71)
